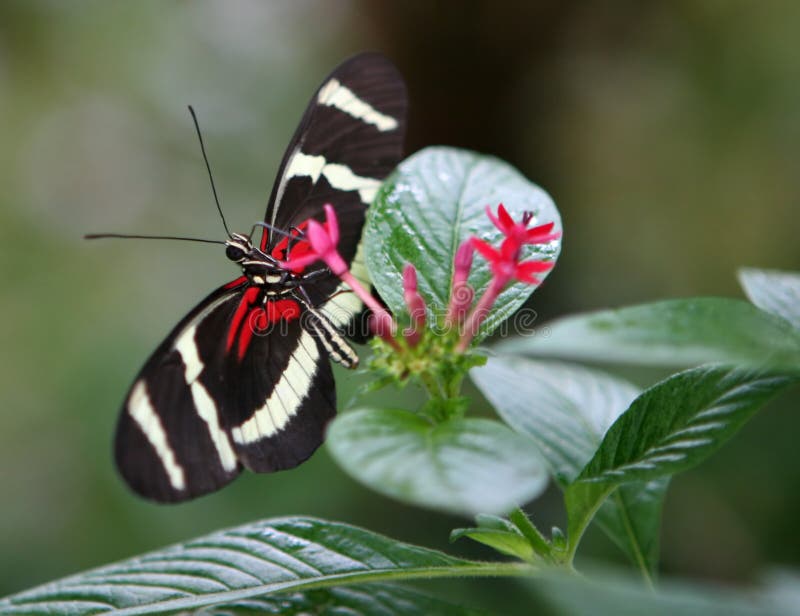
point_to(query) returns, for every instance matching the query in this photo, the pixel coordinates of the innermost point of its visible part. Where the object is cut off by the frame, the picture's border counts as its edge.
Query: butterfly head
(260, 268)
(238, 247)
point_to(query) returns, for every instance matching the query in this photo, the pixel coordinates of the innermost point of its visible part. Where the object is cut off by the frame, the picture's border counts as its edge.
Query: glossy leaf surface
(435, 200)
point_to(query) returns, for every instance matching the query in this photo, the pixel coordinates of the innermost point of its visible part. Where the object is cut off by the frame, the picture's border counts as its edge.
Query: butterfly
(245, 379)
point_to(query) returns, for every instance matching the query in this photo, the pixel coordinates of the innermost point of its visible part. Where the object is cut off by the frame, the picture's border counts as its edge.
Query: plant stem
(432, 386)
(540, 545)
(453, 387)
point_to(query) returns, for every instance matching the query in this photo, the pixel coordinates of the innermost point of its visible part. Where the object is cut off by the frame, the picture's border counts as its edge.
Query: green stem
(432, 386)
(453, 386)
(540, 545)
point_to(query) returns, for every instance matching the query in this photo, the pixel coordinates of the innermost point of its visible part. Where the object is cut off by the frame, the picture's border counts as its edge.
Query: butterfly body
(245, 379)
(270, 271)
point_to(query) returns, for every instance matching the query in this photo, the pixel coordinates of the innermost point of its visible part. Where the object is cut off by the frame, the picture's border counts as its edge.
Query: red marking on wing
(257, 322)
(248, 299)
(286, 309)
(264, 238)
(235, 283)
(259, 319)
(299, 247)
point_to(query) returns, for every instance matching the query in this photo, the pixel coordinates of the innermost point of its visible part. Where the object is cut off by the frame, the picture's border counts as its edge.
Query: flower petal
(298, 264)
(540, 229)
(505, 218)
(541, 234)
(536, 266)
(463, 258)
(319, 238)
(489, 253)
(528, 279)
(525, 271)
(509, 249)
(331, 223)
(462, 263)
(495, 221)
(409, 278)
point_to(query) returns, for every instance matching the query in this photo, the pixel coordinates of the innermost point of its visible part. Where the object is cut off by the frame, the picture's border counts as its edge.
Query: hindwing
(202, 408)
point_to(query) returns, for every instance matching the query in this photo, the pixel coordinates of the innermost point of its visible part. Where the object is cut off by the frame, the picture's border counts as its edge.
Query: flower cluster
(505, 262)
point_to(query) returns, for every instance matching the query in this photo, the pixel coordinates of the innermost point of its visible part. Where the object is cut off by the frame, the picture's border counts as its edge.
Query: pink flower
(461, 294)
(414, 301)
(462, 263)
(504, 260)
(415, 305)
(505, 263)
(518, 231)
(323, 239)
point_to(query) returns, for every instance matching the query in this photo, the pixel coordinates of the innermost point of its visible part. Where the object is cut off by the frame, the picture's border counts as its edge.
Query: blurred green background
(667, 132)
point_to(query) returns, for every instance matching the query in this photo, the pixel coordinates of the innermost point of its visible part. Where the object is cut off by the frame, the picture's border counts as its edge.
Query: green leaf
(672, 333)
(509, 542)
(782, 590)
(631, 518)
(494, 522)
(230, 567)
(679, 422)
(583, 500)
(465, 466)
(566, 410)
(620, 595)
(672, 426)
(774, 291)
(367, 600)
(435, 200)
(503, 535)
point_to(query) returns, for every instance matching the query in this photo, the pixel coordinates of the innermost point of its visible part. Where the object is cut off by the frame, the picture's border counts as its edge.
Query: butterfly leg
(321, 327)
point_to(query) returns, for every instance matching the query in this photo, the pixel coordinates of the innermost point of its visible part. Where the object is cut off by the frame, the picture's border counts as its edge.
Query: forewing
(349, 139)
(170, 442)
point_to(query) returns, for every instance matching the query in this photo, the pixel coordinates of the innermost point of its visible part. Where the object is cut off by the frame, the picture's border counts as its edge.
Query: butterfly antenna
(125, 236)
(208, 167)
(270, 227)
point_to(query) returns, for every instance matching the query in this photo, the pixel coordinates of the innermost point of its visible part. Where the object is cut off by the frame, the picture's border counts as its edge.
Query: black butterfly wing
(171, 443)
(223, 391)
(206, 403)
(349, 139)
(277, 396)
